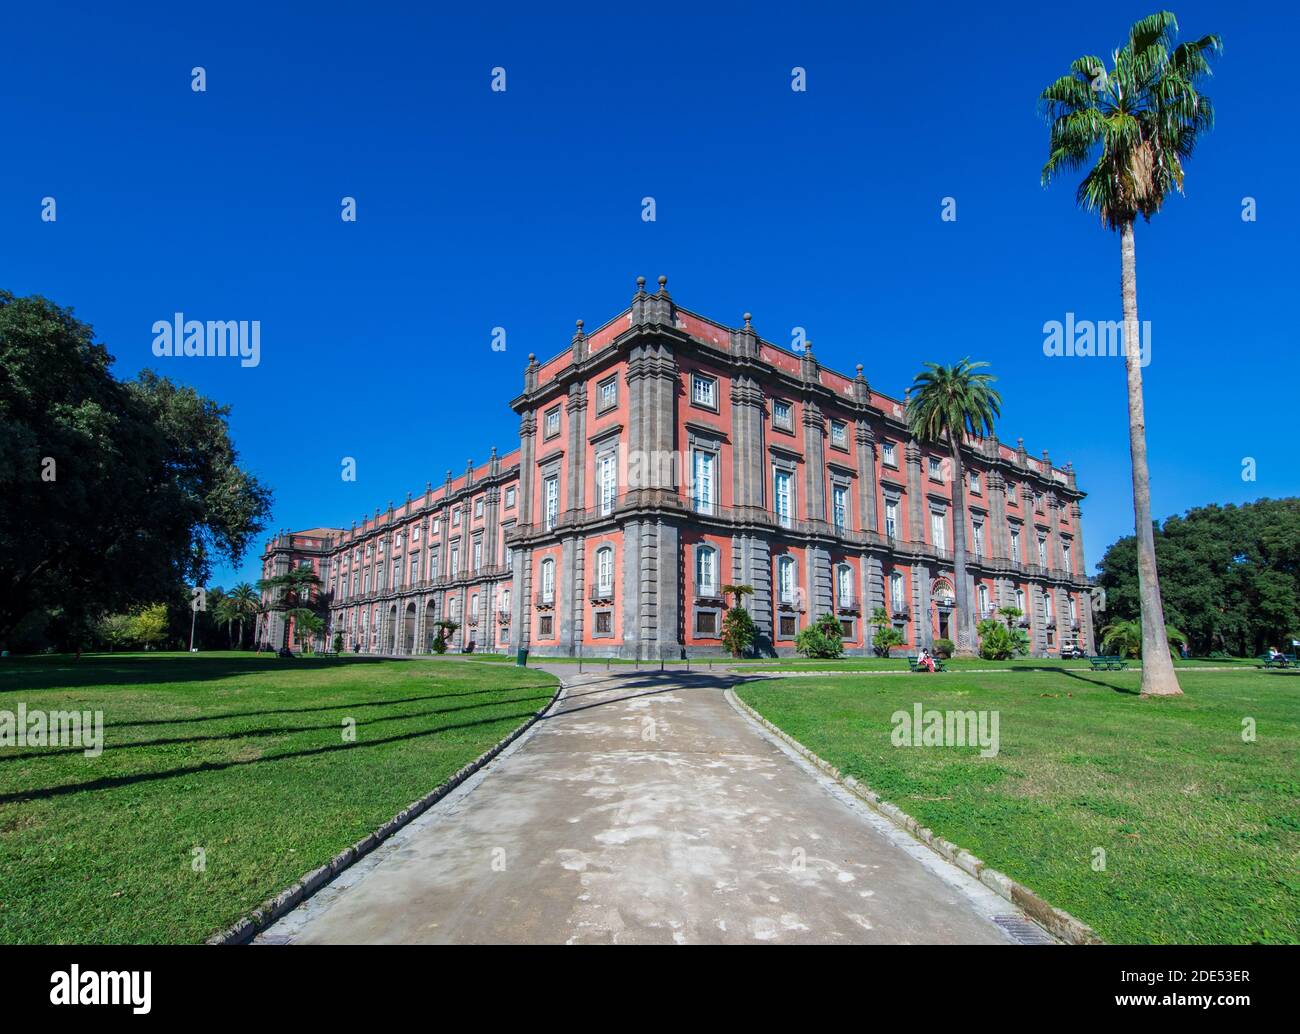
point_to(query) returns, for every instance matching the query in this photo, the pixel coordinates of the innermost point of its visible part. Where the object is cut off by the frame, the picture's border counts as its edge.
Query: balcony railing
(847, 603)
(602, 593)
(545, 599)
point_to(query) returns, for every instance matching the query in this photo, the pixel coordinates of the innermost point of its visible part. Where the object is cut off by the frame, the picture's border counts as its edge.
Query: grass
(898, 662)
(242, 757)
(1201, 831)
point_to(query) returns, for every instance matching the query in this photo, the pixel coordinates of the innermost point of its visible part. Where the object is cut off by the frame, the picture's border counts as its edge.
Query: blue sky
(522, 210)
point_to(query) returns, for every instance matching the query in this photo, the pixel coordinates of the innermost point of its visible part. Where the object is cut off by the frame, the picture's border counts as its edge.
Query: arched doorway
(391, 633)
(430, 633)
(408, 633)
(945, 602)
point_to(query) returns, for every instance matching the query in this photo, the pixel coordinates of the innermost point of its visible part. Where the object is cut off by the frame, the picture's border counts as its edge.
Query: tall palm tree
(1133, 126)
(290, 591)
(245, 598)
(945, 404)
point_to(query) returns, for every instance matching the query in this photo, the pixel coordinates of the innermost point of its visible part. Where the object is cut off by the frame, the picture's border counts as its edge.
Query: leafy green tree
(824, 638)
(149, 625)
(338, 642)
(111, 492)
(307, 625)
(1230, 576)
(946, 404)
(445, 630)
(886, 636)
(739, 591)
(116, 631)
(1011, 615)
(1133, 125)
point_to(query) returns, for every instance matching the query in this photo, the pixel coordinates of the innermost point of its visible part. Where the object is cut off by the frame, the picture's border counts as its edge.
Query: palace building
(665, 455)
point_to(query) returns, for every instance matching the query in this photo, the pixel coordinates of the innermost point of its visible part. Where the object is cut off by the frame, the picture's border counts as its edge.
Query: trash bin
(522, 659)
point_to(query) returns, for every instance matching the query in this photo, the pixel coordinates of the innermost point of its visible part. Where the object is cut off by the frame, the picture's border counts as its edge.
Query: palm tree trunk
(965, 645)
(1158, 678)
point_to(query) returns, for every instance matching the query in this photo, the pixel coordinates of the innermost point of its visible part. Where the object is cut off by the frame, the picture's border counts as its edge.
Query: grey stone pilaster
(814, 442)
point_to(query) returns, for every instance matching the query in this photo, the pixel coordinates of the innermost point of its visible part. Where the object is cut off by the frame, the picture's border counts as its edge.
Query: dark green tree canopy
(1230, 576)
(112, 493)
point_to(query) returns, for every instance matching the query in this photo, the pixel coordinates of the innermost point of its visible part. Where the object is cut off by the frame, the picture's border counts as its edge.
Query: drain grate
(1022, 931)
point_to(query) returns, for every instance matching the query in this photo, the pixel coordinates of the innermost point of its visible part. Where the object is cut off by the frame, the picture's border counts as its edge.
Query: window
(397, 574)
(552, 490)
(937, 531)
(936, 469)
(397, 540)
(706, 622)
(551, 427)
(840, 506)
(504, 606)
(896, 591)
(437, 526)
(839, 434)
(1065, 556)
(846, 629)
(434, 569)
(1042, 551)
(478, 507)
(786, 626)
(706, 567)
(473, 609)
(1038, 501)
(379, 578)
(455, 517)
(891, 518)
(545, 626)
(510, 498)
(888, 454)
(415, 568)
(607, 395)
(702, 468)
(783, 494)
(1049, 611)
(704, 391)
(605, 569)
(1011, 492)
(604, 622)
(1015, 545)
(785, 578)
(783, 415)
(1020, 602)
(978, 538)
(415, 534)
(1074, 611)
(477, 554)
(548, 580)
(844, 584)
(975, 481)
(454, 567)
(607, 478)
(984, 599)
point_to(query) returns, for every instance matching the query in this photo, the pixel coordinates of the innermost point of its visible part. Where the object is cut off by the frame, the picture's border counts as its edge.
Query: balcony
(545, 600)
(503, 616)
(900, 611)
(847, 603)
(602, 593)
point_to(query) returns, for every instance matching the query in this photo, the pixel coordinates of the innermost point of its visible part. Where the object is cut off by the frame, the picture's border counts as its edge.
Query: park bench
(1286, 660)
(1107, 663)
(915, 665)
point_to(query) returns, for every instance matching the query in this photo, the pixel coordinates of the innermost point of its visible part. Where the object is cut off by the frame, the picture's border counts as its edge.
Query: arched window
(984, 600)
(548, 580)
(896, 591)
(706, 570)
(605, 569)
(1020, 602)
(505, 601)
(473, 607)
(785, 578)
(844, 584)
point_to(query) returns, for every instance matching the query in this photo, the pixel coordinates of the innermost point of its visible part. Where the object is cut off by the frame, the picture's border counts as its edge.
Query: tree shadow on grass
(115, 782)
(282, 730)
(35, 674)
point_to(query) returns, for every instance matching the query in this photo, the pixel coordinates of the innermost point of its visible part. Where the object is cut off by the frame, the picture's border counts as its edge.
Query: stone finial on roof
(748, 317)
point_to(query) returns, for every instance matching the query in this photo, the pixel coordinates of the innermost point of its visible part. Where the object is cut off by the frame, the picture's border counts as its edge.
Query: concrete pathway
(646, 809)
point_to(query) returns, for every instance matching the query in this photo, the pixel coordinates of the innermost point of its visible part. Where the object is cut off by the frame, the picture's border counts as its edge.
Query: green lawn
(899, 663)
(240, 756)
(1201, 831)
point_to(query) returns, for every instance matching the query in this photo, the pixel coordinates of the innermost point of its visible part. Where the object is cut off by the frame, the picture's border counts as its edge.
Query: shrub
(338, 642)
(822, 639)
(1000, 643)
(886, 636)
(944, 648)
(738, 631)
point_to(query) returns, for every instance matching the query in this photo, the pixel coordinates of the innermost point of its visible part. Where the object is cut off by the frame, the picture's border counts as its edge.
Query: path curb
(1058, 923)
(290, 898)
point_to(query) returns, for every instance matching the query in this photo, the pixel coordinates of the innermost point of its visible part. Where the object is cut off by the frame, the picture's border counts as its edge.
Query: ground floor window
(604, 622)
(706, 622)
(785, 628)
(545, 626)
(846, 627)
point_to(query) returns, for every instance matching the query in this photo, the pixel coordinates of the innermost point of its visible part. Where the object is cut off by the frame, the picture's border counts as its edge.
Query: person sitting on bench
(924, 660)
